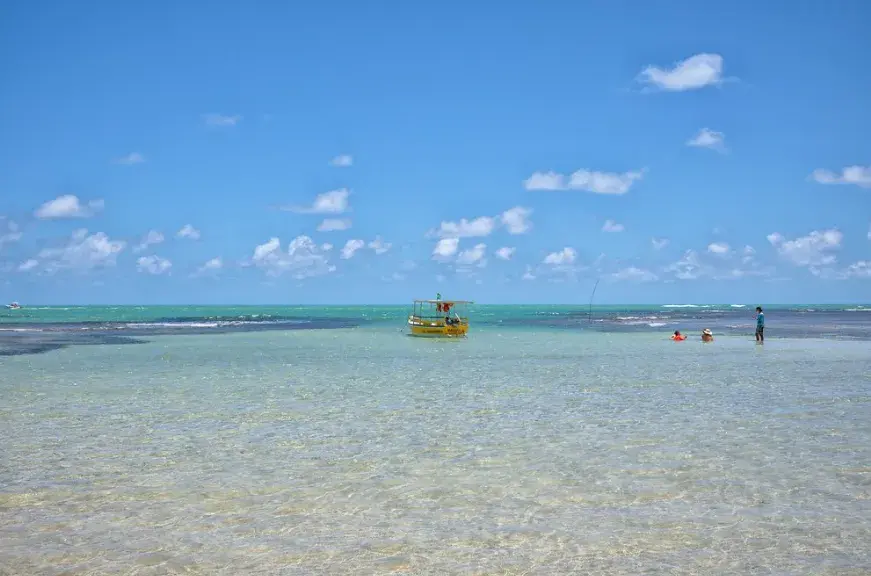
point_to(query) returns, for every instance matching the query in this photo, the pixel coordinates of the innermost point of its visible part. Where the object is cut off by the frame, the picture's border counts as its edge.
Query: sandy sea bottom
(367, 452)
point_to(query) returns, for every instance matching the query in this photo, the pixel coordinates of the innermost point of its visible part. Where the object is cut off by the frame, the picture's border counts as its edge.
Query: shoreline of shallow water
(45, 329)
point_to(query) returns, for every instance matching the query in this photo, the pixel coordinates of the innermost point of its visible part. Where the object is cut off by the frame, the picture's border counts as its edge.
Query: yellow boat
(439, 318)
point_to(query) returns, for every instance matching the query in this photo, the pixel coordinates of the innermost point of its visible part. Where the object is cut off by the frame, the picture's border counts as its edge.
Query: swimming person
(760, 325)
(677, 336)
(707, 335)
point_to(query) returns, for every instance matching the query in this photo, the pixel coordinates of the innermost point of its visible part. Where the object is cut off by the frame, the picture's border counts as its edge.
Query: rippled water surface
(362, 451)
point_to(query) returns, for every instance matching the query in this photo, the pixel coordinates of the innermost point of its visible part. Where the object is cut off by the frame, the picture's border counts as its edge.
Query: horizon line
(585, 305)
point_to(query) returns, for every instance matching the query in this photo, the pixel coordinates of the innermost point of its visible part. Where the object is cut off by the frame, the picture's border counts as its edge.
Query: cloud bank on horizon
(382, 180)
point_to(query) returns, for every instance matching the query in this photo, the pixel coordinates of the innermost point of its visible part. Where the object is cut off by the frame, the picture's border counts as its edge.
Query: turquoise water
(529, 448)
(42, 328)
(485, 313)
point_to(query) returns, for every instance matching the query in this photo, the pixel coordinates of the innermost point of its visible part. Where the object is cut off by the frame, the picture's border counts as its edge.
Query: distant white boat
(14, 306)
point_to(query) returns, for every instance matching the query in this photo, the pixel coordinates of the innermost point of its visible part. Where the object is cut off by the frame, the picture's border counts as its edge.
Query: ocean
(306, 440)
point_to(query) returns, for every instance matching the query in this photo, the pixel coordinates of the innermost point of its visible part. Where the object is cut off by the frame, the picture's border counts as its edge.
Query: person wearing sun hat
(707, 335)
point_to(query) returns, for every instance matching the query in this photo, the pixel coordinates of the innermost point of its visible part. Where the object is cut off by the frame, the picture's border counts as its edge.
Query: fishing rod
(590, 313)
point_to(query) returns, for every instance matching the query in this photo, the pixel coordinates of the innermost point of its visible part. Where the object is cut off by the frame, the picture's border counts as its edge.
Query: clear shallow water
(517, 451)
(38, 329)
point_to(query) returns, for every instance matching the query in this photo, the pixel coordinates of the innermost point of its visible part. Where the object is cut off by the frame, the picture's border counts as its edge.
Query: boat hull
(425, 329)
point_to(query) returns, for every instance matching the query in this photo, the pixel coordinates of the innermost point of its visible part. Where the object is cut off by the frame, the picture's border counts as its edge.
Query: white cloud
(545, 181)
(707, 138)
(603, 182)
(83, 252)
(263, 251)
(212, 265)
(693, 73)
(131, 159)
(585, 180)
(28, 265)
(332, 202)
(188, 231)
(748, 250)
(516, 220)
(860, 269)
(528, 275)
(379, 246)
(153, 237)
(869, 232)
(565, 256)
(482, 226)
(858, 175)
(153, 265)
(693, 266)
(334, 224)
(505, 253)
(718, 248)
(68, 206)
(326, 246)
(342, 160)
(738, 273)
(634, 274)
(688, 267)
(815, 249)
(445, 248)
(221, 120)
(351, 246)
(659, 243)
(474, 255)
(611, 226)
(303, 258)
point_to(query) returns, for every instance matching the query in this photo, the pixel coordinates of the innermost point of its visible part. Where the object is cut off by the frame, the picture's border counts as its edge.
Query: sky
(313, 153)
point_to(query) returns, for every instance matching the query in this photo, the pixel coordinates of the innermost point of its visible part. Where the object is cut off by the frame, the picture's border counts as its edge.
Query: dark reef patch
(20, 338)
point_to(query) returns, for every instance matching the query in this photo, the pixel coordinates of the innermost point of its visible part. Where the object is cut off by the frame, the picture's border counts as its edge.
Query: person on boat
(760, 325)
(707, 335)
(677, 336)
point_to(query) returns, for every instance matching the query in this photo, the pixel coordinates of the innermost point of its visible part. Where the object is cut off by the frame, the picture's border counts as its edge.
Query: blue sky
(281, 153)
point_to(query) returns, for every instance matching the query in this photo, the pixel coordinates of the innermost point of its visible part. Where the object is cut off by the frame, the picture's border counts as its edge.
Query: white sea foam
(209, 324)
(172, 325)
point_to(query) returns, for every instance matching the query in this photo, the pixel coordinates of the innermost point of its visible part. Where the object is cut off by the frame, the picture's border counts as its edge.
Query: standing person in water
(760, 325)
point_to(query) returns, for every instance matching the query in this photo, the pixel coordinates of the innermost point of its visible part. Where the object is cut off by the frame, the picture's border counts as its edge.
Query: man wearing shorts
(760, 324)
